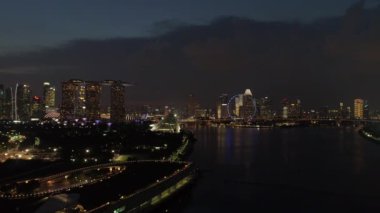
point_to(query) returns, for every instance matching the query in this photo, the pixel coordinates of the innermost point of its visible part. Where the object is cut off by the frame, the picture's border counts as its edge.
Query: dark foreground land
(76, 146)
(135, 177)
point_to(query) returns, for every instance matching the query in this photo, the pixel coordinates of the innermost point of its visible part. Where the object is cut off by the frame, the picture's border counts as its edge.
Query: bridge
(68, 180)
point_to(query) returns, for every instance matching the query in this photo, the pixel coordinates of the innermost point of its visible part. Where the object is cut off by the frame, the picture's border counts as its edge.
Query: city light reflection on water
(299, 169)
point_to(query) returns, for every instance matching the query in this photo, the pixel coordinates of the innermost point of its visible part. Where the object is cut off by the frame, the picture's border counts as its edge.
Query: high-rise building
(341, 110)
(248, 109)
(68, 100)
(265, 108)
(285, 112)
(9, 104)
(73, 99)
(292, 108)
(23, 102)
(295, 109)
(222, 107)
(192, 106)
(285, 108)
(2, 102)
(238, 105)
(81, 100)
(92, 100)
(349, 113)
(49, 96)
(344, 112)
(37, 107)
(46, 86)
(358, 108)
(118, 111)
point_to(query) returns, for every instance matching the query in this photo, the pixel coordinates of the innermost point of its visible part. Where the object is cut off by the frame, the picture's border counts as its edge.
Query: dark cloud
(166, 26)
(322, 62)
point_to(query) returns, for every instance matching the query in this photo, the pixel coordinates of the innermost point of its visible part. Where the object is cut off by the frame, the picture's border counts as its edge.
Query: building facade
(358, 108)
(248, 109)
(92, 100)
(191, 106)
(291, 109)
(49, 95)
(8, 104)
(2, 102)
(37, 107)
(118, 111)
(265, 108)
(23, 102)
(222, 107)
(238, 105)
(73, 99)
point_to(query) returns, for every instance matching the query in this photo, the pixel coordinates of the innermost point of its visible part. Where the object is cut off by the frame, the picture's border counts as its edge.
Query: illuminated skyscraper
(222, 107)
(80, 108)
(341, 110)
(23, 102)
(118, 112)
(265, 108)
(49, 96)
(2, 102)
(238, 105)
(8, 104)
(344, 112)
(68, 100)
(73, 99)
(248, 105)
(46, 86)
(83, 100)
(37, 107)
(296, 110)
(285, 112)
(92, 100)
(291, 109)
(358, 108)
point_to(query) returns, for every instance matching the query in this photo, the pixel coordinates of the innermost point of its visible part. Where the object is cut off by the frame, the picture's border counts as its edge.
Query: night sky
(318, 51)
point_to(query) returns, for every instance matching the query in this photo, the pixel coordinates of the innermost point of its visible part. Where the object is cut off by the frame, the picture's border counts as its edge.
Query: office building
(264, 106)
(222, 107)
(238, 105)
(118, 111)
(2, 102)
(73, 99)
(291, 109)
(49, 95)
(358, 108)
(8, 104)
(37, 108)
(191, 106)
(248, 109)
(23, 102)
(285, 112)
(92, 100)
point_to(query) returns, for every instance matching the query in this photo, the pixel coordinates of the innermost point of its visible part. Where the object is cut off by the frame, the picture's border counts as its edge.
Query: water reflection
(305, 170)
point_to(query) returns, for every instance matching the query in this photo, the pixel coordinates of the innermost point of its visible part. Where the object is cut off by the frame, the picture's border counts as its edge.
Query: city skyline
(189, 106)
(106, 100)
(40, 92)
